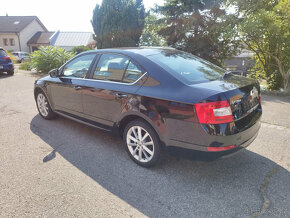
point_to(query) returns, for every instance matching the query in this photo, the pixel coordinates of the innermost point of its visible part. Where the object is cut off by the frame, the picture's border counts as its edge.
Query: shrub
(80, 49)
(26, 65)
(48, 58)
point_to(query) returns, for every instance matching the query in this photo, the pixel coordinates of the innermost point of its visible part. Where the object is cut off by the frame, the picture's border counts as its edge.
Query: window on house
(12, 42)
(5, 42)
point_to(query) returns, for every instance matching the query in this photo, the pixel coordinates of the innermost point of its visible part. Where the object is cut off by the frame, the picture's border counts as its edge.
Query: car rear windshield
(187, 67)
(2, 53)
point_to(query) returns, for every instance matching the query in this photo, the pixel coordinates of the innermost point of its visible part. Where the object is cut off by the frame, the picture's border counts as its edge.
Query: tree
(150, 36)
(79, 49)
(264, 28)
(118, 23)
(200, 27)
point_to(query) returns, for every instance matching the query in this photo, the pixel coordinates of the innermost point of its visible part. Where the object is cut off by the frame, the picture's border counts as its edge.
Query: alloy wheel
(140, 144)
(42, 104)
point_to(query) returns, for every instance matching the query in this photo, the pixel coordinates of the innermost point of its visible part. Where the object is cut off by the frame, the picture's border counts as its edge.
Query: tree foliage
(80, 49)
(264, 27)
(201, 27)
(150, 36)
(118, 23)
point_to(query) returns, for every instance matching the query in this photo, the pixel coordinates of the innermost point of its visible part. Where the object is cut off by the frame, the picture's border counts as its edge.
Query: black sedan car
(154, 97)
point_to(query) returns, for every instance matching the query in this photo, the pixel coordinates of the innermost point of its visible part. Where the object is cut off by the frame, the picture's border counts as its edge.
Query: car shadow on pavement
(237, 186)
(4, 75)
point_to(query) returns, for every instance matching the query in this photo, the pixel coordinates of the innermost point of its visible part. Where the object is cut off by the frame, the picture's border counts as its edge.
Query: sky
(63, 15)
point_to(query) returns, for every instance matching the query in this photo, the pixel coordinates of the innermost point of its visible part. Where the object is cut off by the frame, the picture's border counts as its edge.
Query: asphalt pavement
(61, 168)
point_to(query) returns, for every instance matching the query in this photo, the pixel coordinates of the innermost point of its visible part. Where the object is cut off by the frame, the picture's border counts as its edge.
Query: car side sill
(84, 121)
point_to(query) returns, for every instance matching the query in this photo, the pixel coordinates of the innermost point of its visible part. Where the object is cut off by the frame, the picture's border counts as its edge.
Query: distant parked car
(154, 97)
(21, 56)
(6, 64)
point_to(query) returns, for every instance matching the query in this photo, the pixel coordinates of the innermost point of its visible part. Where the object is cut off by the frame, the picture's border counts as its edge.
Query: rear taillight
(260, 98)
(214, 112)
(6, 58)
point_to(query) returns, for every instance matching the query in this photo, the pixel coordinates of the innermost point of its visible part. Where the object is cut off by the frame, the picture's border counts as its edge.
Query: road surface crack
(263, 190)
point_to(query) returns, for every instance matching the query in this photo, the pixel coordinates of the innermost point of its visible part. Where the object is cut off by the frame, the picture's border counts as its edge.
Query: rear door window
(117, 68)
(132, 73)
(111, 67)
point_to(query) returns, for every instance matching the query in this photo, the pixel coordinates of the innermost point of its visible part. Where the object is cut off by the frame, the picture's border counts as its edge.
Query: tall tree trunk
(286, 81)
(285, 75)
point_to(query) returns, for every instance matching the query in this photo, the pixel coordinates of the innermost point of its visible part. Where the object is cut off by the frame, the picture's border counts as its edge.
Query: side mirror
(53, 73)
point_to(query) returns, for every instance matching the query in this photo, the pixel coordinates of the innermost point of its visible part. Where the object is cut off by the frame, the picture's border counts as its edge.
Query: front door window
(79, 66)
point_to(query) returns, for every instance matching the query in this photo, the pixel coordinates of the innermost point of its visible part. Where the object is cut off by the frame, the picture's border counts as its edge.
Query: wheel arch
(130, 117)
(36, 90)
(39, 88)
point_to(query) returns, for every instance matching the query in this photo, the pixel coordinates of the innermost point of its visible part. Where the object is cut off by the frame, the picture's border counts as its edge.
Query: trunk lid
(242, 93)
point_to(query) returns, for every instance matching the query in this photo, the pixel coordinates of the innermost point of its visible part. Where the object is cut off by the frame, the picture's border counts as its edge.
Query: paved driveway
(61, 168)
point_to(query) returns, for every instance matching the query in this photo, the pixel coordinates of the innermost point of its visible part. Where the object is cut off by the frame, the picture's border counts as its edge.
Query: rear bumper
(6, 67)
(203, 136)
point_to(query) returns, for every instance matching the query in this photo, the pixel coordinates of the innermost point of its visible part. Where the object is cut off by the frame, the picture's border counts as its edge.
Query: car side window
(133, 73)
(79, 66)
(111, 67)
(117, 68)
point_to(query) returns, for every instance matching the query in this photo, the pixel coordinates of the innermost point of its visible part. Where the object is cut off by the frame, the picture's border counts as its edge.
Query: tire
(43, 106)
(142, 154)
(10, 73)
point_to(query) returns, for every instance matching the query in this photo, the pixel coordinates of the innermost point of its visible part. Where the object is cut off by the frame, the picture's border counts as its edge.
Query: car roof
(144, 51)
(23, 52)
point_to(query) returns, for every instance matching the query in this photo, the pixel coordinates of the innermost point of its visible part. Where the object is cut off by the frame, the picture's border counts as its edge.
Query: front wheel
(43, 106)
(142, 143)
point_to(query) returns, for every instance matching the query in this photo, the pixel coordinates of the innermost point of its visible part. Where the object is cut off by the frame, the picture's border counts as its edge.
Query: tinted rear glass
(2, 53)
(187, 67)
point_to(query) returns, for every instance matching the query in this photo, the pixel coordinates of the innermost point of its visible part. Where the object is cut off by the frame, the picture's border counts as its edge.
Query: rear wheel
(142, 143)
(43, 106)
(10, 72)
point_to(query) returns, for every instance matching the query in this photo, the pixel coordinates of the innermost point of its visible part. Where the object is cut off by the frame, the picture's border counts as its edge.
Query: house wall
(27, 33)
(9, 36)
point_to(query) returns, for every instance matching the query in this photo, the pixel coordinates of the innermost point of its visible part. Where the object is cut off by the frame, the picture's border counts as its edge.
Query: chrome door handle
(120, 95)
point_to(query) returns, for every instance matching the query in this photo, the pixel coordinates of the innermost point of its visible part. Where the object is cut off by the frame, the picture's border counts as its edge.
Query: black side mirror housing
(54, 73)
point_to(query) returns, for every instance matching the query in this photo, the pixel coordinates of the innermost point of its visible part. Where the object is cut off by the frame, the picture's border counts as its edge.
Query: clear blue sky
(64, 15)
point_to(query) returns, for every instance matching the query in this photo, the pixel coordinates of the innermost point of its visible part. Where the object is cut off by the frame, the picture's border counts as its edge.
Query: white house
(16, 31)
(27, 33)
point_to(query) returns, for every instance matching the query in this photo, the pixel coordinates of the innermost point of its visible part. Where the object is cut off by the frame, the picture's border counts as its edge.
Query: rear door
(112, 84)
(66, 91)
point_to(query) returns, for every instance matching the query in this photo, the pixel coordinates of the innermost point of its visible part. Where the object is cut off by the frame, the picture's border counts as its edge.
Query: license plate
(1, 67)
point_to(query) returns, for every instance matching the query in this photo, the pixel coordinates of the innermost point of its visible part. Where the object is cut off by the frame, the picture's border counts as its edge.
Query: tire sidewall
(154, 136)
(50, 114)
(10, 73)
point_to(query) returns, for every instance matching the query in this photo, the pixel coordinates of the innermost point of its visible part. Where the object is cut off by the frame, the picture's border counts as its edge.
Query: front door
(112, 84)
(66, 91)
